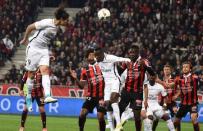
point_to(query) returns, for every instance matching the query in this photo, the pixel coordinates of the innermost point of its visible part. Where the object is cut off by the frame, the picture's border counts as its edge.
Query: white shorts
(112, 85)
(36, 57)
(155, 109)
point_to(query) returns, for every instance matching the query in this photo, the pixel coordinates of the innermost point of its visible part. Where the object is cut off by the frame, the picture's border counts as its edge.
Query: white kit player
(112, 82)
(37, 54)
(154, 109)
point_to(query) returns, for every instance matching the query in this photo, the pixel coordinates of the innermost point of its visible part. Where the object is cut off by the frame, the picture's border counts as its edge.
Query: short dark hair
(134, 47)
(98, 49)
(167, 65)
(187, 62)
(60, 13)
(90, 50)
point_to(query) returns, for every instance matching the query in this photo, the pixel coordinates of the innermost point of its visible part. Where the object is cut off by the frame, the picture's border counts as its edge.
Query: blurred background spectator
(14, 17)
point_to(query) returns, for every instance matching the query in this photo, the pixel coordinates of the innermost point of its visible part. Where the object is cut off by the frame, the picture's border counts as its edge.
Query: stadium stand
(167, 32)
(15, 16)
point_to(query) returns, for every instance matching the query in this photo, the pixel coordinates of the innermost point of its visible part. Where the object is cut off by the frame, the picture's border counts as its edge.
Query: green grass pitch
(33, 123)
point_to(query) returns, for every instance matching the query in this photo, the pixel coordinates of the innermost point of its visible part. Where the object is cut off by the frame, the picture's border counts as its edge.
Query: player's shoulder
(48, 22)
(146, 61)
(177, 78)
(159, 86)
(109, 56)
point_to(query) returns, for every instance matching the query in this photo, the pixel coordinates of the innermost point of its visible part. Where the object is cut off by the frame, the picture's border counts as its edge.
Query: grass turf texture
(33, 123)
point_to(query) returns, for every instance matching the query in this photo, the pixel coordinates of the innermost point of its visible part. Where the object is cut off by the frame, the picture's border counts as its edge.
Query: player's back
(108, 67)
(46, 31)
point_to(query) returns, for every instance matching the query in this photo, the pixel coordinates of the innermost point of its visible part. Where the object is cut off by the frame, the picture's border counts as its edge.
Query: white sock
(110, 120)
(116, 113)
(170, 125)
(127, 114)
(30, 84)
(147, 124)
(46, 85)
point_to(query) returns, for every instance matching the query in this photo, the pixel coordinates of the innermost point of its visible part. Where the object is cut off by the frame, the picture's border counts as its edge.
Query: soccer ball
(103, 13)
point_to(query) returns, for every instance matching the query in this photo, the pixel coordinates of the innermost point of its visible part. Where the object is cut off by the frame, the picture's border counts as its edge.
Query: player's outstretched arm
(29, 29)
(145, 96)
(81, 84)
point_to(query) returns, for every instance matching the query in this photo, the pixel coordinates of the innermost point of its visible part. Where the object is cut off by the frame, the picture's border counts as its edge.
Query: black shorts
(135, 100)
(170, 107)
(184, 109)
(39, 100)
(91, 103)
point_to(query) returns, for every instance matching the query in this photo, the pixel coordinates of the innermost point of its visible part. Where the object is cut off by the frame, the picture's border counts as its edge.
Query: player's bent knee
(143, 114)
(44, 69)
(165, 117)
(100, 116)
(150, 117)
(176, 122)
(194, 118)
(114, 97)
(41, 109)
(83, 112)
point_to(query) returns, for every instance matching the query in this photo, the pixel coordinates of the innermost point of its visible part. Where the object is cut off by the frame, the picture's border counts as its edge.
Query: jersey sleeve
(123, 76)
(114, 58)
(83, 75)
(145, 79)
(42, 24)
(195, 80)
(124, 65)
(24, 79)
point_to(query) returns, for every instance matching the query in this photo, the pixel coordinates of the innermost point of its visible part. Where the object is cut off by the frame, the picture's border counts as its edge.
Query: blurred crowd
(14, 17)
(168, 32)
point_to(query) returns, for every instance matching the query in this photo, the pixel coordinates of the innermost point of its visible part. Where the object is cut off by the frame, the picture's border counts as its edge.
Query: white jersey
(109, 70)
(46, 31)
(154, 91)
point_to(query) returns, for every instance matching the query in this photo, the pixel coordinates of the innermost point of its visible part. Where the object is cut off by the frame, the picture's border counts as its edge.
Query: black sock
(43, 118)
(23, 118)
(82, 122)
(155, 123)
(196, 126)
(102, 125)
(138, 125)
(177, 126)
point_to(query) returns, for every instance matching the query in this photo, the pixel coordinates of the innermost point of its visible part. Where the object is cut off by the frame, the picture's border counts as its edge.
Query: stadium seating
(167, 32)
(15, 16)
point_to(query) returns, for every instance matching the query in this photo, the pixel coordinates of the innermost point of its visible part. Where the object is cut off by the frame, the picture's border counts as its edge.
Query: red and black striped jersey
(37, 90)
(135, 76)
(95, 80)
(170, 91)
(188, 86)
